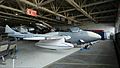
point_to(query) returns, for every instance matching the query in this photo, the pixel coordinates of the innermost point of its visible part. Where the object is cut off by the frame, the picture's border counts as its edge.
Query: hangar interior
(44, 16)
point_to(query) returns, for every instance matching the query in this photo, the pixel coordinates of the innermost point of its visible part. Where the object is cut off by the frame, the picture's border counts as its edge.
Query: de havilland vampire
(74, 36)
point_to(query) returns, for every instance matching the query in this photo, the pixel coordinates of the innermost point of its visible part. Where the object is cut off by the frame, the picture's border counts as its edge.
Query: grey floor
(31, 56)
(101, 55)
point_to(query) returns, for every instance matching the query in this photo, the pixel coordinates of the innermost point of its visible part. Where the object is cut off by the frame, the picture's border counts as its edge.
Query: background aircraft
(31, 36)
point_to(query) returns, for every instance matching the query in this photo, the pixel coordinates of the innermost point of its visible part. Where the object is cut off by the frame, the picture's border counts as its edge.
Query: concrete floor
(101, 55)
(30, 56)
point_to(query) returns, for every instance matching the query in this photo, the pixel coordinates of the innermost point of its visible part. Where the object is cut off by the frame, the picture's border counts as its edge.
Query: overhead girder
(55, 7)
(23, 17)
(100, 12)
(17, 16)
(111, 16)
(1, 1)
(93, 4)
(10, 8)
(13, 9)
(72, 17)
(8, 17)
(102, 21)
(46, 2)
(110, 21)
(19, 4)
(97, 3)
(77, 7)
(101, 17)
(41, 2)
(49, 11)
(87, 5)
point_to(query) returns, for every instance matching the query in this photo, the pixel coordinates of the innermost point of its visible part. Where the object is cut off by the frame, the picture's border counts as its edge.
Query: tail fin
(9, 30)
(12, 32)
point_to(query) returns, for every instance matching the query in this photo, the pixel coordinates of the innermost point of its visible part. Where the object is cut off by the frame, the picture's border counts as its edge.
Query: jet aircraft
(75, 35)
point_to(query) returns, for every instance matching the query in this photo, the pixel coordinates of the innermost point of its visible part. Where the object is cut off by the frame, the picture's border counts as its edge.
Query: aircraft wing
(58, 37)
(52, 41)
(34, 38)
(47, 38)
(54, 44)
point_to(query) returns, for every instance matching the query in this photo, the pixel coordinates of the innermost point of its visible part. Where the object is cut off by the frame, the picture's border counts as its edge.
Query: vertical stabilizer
(12, 32)
(9, 30)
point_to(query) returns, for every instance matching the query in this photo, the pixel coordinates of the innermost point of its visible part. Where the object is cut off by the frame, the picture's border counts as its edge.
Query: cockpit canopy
(75, 29)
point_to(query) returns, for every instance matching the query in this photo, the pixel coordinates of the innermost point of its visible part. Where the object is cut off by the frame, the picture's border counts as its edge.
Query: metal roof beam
(47, 10)
(97, 3)
(46, 2)
(13, 9)
(5, 7)
(66, 10)
(17, 16)
(77, 7)
(105, 11)
(105, 17)
(98, 17)
(87, 5)
(63, 11)
(1, 1)
(23, 17)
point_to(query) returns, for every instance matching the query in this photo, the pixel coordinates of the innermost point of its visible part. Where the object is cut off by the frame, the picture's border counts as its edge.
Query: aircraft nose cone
(98, 36)
(70, 45)
(95, 36)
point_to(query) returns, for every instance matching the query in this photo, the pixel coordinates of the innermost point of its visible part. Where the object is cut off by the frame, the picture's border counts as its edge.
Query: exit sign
(31, 12)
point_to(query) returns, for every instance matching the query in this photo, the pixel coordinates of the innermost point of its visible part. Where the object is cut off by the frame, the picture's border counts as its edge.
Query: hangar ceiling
(59, 11)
